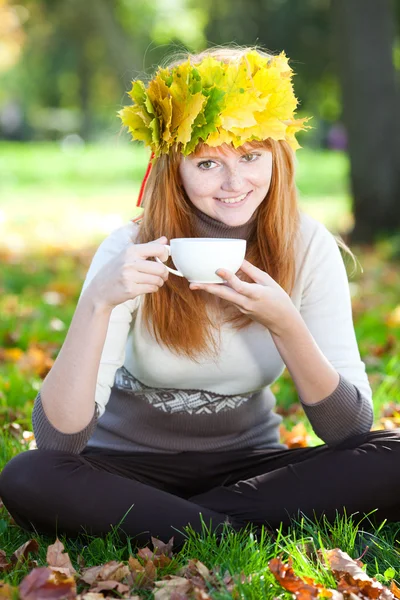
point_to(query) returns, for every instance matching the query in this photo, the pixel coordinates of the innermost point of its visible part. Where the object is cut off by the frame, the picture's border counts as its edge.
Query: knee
(26, 475)
(17, 477)
(380, 438)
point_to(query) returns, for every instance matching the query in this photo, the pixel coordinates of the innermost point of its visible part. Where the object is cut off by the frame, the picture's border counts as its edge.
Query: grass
(55, 205)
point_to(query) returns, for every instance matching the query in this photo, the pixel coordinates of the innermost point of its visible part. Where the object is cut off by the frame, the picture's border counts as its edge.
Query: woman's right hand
(130, 274)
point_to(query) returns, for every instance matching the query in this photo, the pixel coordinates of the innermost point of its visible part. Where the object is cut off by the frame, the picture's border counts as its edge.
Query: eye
(206, 165)
(251, 157)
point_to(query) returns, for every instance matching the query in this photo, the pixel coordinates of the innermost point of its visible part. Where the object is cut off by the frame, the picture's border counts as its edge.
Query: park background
(69, 175)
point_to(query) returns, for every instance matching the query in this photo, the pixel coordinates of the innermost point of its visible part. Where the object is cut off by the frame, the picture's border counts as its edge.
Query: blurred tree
(364, 42)
(80, 57)
(299, 27)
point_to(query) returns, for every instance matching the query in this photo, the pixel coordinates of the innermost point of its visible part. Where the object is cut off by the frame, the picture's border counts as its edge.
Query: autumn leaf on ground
(116, 586)
(352, 579)
(395, 590)
(303, 589)
(44, 584)
(7, 592)
(141, 576)
(162, 548)
(296, 438)
(59, 560)
(172, 586)
(111, 571)
(22, 553)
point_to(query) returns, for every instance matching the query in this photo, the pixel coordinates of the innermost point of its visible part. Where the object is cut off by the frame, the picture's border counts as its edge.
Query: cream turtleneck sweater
(151, 400)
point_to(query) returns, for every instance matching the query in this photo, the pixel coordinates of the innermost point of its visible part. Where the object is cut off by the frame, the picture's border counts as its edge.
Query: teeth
(233, 200)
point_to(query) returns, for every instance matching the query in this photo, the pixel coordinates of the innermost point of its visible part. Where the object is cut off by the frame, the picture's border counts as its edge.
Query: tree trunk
(363, 36)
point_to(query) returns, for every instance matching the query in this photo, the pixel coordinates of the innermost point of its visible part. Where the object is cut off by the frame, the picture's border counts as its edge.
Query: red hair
(177, 316)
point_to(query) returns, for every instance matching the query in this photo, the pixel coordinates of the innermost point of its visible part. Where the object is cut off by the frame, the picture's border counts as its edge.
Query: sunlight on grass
(69, 197)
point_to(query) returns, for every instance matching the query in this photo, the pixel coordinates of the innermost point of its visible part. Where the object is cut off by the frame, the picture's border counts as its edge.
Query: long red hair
(178, 317)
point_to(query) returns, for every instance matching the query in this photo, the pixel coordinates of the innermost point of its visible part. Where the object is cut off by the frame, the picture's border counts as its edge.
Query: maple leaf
(112, 570)
(135, 124)
(22, 553)
(303, 589)
(161, 548)
(59, 560)
(44, 584)
(116, 586)
(352, 578)
(170, 585)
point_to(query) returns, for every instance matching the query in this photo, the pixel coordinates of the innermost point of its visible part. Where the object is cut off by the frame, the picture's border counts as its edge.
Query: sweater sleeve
(326, 310)
(49, 438)
(112, 357)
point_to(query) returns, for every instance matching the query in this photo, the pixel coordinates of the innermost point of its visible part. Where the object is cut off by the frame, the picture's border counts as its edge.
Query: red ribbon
(145, 178)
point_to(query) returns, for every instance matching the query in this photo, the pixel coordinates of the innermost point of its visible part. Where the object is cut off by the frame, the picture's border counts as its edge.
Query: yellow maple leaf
(135, 123)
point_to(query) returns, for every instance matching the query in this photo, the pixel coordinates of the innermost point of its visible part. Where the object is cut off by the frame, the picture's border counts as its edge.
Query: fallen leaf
(135, 565)
(58, 559)
(22, 553)
(111, 571)
(162, 548)
(5, 564)
(395, 590)
(171, 584)
(303, 589)
(351, 577)
(115, 586)
(145, 578)
(7, 592)
(44, 584)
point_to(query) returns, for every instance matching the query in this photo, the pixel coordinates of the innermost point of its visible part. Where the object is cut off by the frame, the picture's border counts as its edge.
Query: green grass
(57, 204)
(77, 195)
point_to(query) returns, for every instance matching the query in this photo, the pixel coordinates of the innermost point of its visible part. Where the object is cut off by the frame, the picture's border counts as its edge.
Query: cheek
(199, 186)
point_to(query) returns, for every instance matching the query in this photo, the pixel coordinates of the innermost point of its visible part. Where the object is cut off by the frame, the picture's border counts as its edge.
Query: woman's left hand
(263, 301)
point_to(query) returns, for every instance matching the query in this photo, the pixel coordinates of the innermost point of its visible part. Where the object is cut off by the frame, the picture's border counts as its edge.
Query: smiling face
(227, 184)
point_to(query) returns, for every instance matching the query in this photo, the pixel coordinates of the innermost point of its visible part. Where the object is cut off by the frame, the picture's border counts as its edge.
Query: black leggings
(159, 494)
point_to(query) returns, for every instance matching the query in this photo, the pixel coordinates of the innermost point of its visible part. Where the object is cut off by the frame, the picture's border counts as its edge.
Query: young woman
(158, 411)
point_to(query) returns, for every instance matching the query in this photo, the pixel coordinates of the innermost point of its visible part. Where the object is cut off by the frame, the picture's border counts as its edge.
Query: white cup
(198, 258)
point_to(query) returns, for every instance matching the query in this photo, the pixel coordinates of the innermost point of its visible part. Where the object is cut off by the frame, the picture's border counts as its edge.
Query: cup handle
(174, 271)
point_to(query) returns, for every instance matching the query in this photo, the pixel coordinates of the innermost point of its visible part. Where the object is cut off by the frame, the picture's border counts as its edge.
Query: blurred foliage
(65, 64)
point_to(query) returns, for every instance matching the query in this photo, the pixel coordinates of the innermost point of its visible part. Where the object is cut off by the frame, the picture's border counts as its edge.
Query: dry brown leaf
(22, 553)
(171, 584)
(144, 578)
(44, 584)
(116, 586)
(135, 565)
(145, 553)
(5, 564)
(351, 577)
(160, 548)
(395, 590)
(90, 596)
(58, 559)
(111, 571)
(303, 589)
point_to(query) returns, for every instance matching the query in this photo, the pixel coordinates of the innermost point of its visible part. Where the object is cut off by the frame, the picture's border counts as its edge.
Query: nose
(233, 181)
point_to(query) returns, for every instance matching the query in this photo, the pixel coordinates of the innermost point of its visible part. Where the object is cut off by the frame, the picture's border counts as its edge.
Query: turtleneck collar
(208, 227)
